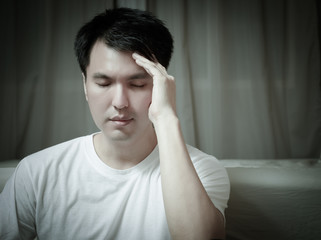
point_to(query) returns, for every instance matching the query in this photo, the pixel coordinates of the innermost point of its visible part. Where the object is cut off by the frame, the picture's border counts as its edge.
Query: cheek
(98, 103)
(142, 102)
(147, 99)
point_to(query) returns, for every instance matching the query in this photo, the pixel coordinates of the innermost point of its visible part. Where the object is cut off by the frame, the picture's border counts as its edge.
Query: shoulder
(207, 166)
(213, 176)
(53, 155)
(36, 171)
(197, 156)
(59, 149)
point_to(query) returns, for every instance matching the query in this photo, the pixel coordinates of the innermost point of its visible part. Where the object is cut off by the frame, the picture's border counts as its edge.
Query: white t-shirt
(67, 192)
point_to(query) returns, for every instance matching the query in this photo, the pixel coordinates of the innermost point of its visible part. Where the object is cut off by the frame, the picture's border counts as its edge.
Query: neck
(124, 154)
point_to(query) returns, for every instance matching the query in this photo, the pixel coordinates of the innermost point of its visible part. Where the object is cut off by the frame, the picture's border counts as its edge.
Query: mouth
(121, 121)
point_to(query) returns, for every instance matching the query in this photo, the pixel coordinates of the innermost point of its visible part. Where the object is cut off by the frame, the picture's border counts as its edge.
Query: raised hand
(181, 186)
(163, 105)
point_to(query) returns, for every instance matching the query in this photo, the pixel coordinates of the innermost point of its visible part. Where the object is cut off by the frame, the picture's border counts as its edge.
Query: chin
(119, 136)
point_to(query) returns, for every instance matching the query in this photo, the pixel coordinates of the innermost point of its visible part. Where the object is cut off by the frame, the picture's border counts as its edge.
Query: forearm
(190, 212)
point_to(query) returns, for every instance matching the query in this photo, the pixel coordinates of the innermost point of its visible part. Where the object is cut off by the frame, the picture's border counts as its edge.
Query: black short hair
(125, 29)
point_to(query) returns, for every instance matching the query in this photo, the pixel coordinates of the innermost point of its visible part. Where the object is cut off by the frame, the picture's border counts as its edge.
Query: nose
(120, 98)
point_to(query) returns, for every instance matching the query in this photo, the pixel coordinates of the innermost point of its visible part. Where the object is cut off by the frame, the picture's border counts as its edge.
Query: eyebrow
(138, 76)
(135, 76)
(100, 75)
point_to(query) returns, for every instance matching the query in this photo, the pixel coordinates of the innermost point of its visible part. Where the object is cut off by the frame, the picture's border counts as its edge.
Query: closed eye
(103, 84)
(102, 80)
(138, 85)
(138, 82)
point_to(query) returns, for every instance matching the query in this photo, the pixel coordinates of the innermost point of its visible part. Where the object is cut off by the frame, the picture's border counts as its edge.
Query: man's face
(119, 93)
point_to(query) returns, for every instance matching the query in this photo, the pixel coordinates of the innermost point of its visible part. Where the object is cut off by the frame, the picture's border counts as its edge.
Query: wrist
(166, 123)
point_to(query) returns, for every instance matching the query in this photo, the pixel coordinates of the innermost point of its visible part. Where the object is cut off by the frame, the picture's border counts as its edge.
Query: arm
(16, 206)
(190, 212)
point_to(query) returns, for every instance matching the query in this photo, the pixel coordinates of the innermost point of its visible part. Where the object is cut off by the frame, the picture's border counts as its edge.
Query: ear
(85, 87)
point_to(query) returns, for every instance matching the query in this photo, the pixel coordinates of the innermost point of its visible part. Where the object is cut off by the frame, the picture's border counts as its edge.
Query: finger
(138, 56)
(153, 68)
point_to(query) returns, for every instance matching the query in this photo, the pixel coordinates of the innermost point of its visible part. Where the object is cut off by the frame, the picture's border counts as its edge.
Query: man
(136, 178)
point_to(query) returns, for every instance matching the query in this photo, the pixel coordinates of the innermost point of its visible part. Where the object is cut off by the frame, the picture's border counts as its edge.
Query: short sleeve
(17, 206)
(214, 178)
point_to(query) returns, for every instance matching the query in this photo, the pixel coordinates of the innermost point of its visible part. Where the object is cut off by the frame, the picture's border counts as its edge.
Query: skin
(132, 101)
(119, 94)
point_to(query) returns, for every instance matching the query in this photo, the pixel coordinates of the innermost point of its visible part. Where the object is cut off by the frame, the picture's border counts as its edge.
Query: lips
(121, 120)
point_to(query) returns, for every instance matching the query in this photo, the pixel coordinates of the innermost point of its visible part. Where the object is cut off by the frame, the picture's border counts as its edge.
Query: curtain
(247, 74)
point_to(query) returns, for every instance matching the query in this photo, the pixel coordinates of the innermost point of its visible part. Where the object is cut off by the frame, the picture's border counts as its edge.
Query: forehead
(105, 59)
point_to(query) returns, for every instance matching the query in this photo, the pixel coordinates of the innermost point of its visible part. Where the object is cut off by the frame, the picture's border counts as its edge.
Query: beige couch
(274, 199)
(270, 199)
